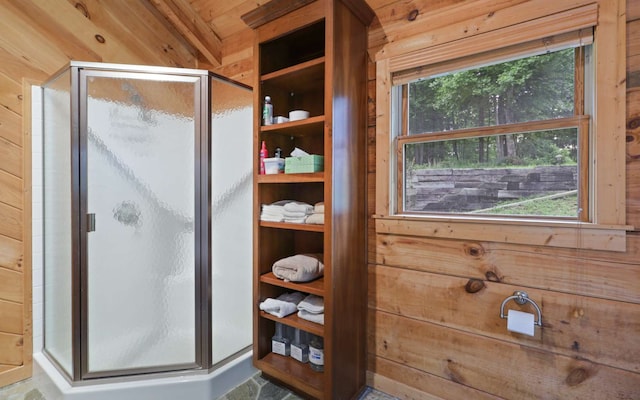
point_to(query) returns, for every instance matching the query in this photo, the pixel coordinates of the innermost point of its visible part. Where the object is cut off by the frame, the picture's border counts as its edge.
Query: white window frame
(606, 229)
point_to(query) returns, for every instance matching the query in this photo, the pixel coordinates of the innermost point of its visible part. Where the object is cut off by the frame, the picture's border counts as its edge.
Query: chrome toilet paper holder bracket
(521, 298)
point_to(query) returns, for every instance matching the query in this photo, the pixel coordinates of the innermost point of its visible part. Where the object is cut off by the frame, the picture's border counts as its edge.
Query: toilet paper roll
(521, 322)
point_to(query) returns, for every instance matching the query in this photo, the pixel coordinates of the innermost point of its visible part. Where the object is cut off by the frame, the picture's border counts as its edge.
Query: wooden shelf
(304, 127)
(314, 287)
(294, 373)
(298, 78)
(295, 227)
(296, 322)
(302, 68)
(291, 178)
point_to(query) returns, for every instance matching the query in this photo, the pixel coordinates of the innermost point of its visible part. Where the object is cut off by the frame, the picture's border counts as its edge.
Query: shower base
(191, 385)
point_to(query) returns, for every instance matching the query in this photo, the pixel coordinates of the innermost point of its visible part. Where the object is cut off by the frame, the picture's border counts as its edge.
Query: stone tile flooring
(255, 388)
(258, 388)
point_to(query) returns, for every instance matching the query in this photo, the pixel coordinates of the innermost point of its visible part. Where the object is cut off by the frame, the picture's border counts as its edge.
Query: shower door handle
(91, 222)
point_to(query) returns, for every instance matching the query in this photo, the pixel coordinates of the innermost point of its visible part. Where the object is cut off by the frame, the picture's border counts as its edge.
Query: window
(503, 138)
(588, 137)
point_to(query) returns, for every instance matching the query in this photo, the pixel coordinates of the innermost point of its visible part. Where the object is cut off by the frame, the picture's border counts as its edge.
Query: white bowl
(296, 115)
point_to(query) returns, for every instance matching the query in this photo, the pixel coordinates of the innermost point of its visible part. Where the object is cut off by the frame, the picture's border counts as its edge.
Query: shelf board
(312, 66)
(294, 373)
(296, 322)
(314, 287)
(291, 178)
(295, 227)
(303, 127)
(301, 78)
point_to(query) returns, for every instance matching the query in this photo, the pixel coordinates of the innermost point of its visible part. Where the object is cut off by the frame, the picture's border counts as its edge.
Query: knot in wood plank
(576, 377)
(413, 15)
(474, 286)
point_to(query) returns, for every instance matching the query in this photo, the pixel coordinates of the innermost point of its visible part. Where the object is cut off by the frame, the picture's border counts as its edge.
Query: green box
(303, 164)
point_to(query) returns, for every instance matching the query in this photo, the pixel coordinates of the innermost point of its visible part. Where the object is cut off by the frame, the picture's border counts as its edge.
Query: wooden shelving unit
(311, 55)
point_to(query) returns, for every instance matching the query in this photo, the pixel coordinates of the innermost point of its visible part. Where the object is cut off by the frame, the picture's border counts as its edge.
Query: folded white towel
(283, 305)
(297, 206)
(315, 218)
(313, 304)
(294, 214)
(271, 208)
(299, 268)
(295, 220)
(318, 208)
(317, 318)
(271, 218)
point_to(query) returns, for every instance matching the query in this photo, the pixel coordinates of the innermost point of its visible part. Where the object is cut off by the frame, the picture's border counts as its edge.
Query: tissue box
(273, 165)
(310, 163)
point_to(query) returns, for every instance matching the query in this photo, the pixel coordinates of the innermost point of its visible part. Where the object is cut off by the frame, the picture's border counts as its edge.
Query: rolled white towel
(317, 318)
(283, 305)
(319, 208)
(315, 218)
(313, 304)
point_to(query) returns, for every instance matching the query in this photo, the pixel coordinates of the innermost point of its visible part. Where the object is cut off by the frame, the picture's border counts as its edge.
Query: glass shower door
(138, 167)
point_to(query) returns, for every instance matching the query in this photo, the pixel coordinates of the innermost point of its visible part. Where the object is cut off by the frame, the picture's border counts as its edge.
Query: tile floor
(255, 388)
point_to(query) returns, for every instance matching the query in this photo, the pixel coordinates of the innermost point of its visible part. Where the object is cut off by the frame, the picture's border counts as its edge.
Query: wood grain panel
(452, 23)
(10, 190)
(11, 286)
(12, 348)
(10, 253)
(633, 157)
(633, 10)
(10, 222)
(10, 94)
(564, 270)
(573, 325)
(410, 383)
(89, 42)
(512, 371)
(154, 38)
(11, 317)
(633, 54)
(10, 126)
(10, 157)
(25, 40)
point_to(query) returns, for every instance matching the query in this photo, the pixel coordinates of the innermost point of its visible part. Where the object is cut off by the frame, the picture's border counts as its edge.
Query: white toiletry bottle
(299, 347)
(279, 343)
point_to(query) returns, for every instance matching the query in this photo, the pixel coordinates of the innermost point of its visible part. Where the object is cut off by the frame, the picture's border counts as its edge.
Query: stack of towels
(273, 212)
(312, 309)
(283, 305)
(317, 216)
(297, 212)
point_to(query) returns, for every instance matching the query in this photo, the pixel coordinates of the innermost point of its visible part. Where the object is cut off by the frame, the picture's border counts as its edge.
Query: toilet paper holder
(521, 298)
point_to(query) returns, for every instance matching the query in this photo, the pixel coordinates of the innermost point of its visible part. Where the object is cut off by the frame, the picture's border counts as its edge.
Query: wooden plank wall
(37, 38)
(434, 330)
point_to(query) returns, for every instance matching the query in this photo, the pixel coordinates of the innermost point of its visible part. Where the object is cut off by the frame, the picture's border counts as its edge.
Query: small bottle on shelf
(299, 346)
(264, 153)
(316, 353)
(267, 111)
(280, 344)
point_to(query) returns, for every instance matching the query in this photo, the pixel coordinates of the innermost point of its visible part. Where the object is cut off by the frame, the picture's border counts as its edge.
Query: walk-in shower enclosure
(147, 220)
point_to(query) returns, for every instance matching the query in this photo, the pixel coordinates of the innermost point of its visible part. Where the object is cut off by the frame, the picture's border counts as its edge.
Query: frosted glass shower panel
(57, 240)
(231, 216)
(141, 254)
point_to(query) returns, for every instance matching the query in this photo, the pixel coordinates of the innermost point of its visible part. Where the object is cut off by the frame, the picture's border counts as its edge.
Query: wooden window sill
(553, 233)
